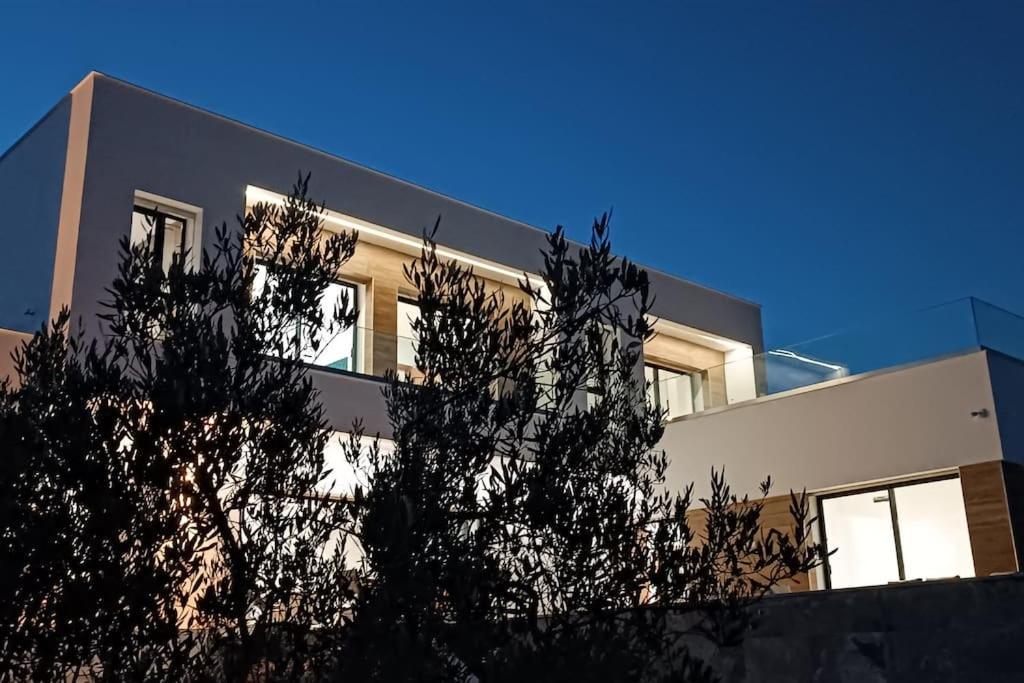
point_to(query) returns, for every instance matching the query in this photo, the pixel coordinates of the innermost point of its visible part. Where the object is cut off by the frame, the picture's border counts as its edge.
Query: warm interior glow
(933, 530)
(378, 233)
(344, 478)
(931, 521)
(738, 349)
(859, 528)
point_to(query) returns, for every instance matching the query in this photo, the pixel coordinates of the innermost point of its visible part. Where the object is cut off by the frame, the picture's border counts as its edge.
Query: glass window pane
(859, 528)
(142, 228)
(675, 391)
(174, 237)
(933, 530)
(153, 226)
(337, 347)
(651, 378)
(699, 381)
(260, 278)
(408, 312)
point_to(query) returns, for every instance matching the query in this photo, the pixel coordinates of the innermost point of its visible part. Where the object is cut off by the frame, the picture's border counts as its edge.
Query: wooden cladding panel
(679, 354)
(384, 297)
(381, 271)
(774, 515)
(717, 396)
(988, 518)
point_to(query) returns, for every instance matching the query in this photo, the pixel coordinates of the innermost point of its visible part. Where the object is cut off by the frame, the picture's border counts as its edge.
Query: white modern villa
(909, 436)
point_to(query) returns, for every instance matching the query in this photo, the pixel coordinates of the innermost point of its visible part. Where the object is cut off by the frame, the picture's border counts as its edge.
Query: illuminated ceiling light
(256, 194)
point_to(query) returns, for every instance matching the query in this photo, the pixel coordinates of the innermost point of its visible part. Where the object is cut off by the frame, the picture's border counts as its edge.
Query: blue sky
(834, 162)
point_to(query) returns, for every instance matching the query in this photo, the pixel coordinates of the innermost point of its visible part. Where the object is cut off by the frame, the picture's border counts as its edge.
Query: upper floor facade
(112, 160)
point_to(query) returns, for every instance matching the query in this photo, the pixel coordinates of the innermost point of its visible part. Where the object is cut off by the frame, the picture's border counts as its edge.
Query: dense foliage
(520, 527)
(168, 513)
(162, 515)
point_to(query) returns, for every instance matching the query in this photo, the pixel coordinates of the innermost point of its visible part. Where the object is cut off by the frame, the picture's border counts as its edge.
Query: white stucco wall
(853, 430)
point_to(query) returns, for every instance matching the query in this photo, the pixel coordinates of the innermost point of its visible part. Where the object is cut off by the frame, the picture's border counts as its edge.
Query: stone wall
(964, 631)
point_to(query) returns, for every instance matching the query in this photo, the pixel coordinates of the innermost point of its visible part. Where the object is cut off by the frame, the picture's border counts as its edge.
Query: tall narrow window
(908, 531)
(167, 233)
(606, 337)
(408, 313)
(337, 348)
(859, 527)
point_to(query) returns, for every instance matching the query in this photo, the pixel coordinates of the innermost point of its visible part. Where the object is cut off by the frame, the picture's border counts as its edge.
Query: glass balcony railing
(947, 329)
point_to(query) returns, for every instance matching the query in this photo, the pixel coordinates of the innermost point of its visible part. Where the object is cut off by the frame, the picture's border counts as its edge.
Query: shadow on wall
(10, 341)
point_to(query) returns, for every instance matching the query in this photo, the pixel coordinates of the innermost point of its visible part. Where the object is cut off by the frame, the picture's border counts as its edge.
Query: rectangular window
(167, 230)
(859, 527)
(338, 349)
(343, 477)
(914, 530)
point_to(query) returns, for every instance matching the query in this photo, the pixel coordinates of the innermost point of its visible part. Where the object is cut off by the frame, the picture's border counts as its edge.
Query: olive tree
(167, 505)
(520, 528)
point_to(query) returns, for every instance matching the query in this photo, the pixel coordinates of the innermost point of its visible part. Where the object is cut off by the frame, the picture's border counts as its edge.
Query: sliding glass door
(916, 530)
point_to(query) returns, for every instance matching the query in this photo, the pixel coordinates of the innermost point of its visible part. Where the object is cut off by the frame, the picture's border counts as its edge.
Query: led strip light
(256, 194)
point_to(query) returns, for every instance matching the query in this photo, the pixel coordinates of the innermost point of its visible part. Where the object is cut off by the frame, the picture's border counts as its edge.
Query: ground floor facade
(914, 473)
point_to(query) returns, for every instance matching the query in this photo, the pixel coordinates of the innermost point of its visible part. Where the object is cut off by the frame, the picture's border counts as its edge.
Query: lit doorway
(898, 532)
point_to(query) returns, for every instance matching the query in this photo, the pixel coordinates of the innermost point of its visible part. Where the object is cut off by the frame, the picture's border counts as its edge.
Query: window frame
(890, 489)
(190, 216)
(159, 223)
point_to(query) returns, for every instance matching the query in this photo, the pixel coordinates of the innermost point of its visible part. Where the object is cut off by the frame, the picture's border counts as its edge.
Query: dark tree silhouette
(520, 528)
(168, 516)
(164, 507)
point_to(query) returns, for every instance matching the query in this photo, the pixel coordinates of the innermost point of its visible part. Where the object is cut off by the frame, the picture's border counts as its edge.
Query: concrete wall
(31, 178)
(856, 429)
(142, 141)
(346, 397)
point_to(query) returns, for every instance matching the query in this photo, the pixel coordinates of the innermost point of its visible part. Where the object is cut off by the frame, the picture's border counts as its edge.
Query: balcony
(944, 330)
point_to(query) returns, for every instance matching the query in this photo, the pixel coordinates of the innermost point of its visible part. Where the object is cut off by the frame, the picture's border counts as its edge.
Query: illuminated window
(167, 228)
(675, 392)
(408, 313)
(916, 530)
(338, 348)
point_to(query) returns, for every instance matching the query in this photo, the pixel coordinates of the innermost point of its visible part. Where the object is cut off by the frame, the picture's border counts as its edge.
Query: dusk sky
(834, 162)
